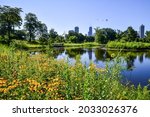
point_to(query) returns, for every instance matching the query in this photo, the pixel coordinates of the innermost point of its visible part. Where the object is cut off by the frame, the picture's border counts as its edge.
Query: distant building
(142, 31)
(71, 31)
(76, 29)
(90, 31)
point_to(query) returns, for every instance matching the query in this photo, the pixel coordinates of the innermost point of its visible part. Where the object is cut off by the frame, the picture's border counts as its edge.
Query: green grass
(86, 44)
(127, 45)
(42, 77)
(25, 44)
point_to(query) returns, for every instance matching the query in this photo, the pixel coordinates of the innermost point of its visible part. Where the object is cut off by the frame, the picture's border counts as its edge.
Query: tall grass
(23, 76)
(128, 45)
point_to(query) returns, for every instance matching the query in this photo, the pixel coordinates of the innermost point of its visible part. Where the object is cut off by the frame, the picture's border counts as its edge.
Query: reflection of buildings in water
(141, 58)
(90, 54)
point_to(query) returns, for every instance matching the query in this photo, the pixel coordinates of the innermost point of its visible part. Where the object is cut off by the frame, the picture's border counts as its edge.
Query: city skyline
(66, 14)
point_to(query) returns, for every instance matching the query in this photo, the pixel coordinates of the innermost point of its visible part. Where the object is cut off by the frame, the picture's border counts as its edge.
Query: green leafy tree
(89, 39)
(73, 39)
(80, 38)
(99, 36)
(20, 34)
(42, 32)
(42, 28)
(44, 39)
(110, 34)
(52, 34)
(147, 36)
(9, 19)
(130, 35)
(31, 25)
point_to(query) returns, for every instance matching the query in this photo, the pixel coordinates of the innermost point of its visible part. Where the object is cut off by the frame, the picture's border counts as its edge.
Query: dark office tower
(76, 29)
(142, 31)
(90, 31)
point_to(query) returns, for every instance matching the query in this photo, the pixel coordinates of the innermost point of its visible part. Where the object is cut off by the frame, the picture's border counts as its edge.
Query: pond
(137, 63)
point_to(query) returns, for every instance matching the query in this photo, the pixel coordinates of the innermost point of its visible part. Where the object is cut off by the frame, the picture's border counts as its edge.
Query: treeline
(130, 35)
(35, 30)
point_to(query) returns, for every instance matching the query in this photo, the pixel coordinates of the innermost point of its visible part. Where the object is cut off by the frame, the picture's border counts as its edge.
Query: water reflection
(137, 63)
(90, 53)
(72, 53)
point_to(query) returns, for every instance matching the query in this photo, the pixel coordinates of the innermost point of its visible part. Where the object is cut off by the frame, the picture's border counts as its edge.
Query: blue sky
(64, 15)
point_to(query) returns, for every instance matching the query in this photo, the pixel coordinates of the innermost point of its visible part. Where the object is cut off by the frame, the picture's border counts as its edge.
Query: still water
(136, 63)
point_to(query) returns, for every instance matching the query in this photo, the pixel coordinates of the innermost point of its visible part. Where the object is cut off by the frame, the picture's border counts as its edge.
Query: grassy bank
(88, 44)
(42, 77)
(127, 45)
(26, 45)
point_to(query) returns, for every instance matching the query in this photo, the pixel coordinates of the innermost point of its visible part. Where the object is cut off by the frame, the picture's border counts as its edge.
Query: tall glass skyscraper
(76, 29)
(142, 31)
(90, 31)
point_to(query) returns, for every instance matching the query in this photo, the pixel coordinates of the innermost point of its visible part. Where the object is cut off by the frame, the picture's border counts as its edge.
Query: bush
(128, 45)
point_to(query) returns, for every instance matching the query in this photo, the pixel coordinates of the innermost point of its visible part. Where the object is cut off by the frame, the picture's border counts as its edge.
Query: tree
(9, 19)
(110, 34)
(42, 28)
(42, 33)
(73, 39)
(99, 36)
(52, 34)
(80, 38)
(20, 34)
(44, 39)
(31, 25)
(148, 36)
(130, 35)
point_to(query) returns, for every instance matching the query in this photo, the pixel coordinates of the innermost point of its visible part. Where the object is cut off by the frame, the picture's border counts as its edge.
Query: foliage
(86, 44)
(19, 35)
(31, 25)
(9, 19)
(52, 34)
(147, 36)
(74, 37)
(128, 45)
(104, 35)
(27, 77)
(129, 35)
(89, 39)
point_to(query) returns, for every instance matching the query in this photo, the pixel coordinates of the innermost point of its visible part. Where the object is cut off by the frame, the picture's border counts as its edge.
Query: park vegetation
(35, 31)
(25, 76)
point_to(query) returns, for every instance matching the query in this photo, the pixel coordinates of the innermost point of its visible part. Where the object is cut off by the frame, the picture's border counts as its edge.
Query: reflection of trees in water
(130, 62)
(102, 55)
(147, 55)
(73, 52)
(130, 57)
(56, 51)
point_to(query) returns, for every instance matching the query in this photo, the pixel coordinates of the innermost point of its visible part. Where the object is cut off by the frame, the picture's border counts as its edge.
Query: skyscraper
(90, 31)
(76, 29)
(142, 31)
